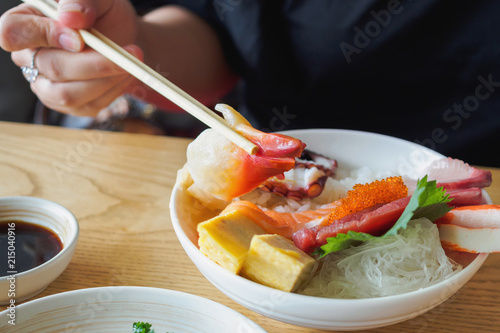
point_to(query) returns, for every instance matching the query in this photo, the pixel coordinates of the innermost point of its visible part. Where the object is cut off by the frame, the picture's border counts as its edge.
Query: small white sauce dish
(18, 287)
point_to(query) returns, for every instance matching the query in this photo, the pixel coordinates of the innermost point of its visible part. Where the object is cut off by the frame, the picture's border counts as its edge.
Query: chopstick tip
(254, 150)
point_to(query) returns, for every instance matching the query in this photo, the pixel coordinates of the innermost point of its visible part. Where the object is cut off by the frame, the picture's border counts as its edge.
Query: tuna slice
(468, 197)
(375, 220)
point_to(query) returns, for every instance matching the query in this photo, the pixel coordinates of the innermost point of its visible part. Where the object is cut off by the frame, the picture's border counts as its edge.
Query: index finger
(25, 27)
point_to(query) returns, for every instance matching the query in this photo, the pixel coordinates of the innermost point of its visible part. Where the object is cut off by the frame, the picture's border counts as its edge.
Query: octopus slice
(306, 180)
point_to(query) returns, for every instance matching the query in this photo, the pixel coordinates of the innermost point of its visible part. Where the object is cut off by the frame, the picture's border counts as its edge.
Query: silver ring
(31, 73)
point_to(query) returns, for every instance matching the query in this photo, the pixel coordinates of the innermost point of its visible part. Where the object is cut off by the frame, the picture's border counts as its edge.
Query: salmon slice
(299, 220)
(258, 216)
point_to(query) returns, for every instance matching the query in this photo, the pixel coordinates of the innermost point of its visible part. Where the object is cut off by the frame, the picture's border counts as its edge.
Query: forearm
(181, 46)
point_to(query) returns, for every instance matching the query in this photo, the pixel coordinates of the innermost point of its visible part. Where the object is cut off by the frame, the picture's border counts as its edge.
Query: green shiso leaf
(343, 241)
(427, 201)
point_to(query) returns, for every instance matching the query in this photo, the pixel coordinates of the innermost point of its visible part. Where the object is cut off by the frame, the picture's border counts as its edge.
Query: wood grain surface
(118, 186)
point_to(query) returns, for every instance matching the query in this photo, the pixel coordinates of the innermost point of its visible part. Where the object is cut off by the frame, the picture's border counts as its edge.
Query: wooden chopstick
(150, 77)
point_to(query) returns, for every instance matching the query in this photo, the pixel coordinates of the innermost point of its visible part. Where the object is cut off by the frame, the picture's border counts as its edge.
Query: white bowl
(352, 149)
(115, 309)
(52, 216)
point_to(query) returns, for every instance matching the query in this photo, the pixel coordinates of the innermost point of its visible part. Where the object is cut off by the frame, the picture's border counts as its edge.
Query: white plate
(115, 309)
(352, 149)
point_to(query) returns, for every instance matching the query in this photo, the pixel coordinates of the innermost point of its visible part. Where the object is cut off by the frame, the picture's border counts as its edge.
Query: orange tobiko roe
(363, 196)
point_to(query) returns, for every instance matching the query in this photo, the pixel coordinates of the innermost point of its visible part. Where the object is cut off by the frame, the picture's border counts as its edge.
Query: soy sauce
(25, 245)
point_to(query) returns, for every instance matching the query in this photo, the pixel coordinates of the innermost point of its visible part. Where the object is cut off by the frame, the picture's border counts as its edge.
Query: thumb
(77, 14)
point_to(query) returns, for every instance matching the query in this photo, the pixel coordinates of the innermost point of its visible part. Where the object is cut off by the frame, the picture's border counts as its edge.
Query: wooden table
(118, 186)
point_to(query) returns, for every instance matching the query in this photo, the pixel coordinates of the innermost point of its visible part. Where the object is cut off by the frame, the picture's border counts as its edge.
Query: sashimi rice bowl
(358, 232)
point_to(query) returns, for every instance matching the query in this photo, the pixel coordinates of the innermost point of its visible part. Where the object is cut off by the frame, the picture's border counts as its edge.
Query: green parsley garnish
(141, 327)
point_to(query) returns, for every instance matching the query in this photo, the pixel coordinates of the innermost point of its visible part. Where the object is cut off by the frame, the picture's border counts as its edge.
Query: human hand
(73, 79)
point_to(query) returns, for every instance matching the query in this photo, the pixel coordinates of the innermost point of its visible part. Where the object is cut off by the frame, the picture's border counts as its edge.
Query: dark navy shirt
(426, 71)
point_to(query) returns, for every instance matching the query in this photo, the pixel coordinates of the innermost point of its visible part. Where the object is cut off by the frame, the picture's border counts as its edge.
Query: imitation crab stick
(474, 229)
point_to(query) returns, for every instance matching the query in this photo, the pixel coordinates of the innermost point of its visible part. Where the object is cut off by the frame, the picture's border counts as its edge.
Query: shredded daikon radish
(408, 261)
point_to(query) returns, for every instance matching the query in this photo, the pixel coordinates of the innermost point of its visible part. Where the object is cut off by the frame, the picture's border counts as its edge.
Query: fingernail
(71, 7)
(70, 42)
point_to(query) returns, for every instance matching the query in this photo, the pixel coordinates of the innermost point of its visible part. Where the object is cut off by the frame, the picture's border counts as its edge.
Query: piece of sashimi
(373, 221)
(453, 174)
(456, 174)
(466, 197)
(254, 213)
(303, 217)
(305, 239)
(226, 171)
